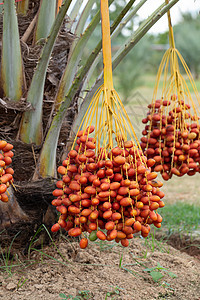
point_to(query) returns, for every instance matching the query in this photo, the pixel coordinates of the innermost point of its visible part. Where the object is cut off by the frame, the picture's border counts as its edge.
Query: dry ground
(106, 273)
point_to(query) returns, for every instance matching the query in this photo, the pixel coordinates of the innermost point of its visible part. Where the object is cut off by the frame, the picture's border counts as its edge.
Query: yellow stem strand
(107, 61)
(106, 45)
(171, 34)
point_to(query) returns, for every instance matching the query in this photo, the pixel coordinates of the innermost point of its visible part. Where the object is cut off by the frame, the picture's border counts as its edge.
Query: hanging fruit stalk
(59, 4)
(107, 182)
(172, 133)
(119, 56)
(114, 34)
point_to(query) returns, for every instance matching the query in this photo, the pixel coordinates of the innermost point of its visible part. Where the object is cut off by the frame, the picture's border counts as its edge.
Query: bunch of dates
(109, 195)
(6, 172)
(171, 138)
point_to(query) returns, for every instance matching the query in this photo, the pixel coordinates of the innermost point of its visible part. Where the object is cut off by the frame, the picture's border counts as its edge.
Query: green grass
(10, 262)
(81, 295)
(152, 244)
(181, 217)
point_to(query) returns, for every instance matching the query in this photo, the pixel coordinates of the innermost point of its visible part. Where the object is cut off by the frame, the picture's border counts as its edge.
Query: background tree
(129, 73)
(187, 35)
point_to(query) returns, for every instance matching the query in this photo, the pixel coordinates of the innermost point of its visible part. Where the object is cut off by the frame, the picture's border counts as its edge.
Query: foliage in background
(129, 73)
(186, 34)
(187, 41)
(147, 55)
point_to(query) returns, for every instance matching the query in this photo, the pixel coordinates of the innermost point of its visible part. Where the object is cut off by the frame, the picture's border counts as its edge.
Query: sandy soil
(105, 271)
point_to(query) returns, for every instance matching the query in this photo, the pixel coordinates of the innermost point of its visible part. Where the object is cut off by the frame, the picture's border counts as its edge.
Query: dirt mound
(105, 271)
(188, 243)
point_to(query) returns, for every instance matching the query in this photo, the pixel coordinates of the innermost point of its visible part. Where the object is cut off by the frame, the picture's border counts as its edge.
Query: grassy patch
(181, 217)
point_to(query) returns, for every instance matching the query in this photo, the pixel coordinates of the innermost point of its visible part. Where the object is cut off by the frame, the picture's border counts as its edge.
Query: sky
(161, 26)
(182, 6)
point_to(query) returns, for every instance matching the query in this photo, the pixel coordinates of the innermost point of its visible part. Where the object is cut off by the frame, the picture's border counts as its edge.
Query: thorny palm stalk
(46, 17)
(22, 7)
(31, 124)
(11, 79)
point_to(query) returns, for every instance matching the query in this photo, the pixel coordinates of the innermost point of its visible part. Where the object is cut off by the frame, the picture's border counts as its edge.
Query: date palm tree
(44, 74)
